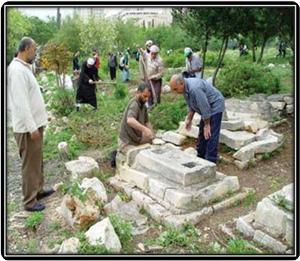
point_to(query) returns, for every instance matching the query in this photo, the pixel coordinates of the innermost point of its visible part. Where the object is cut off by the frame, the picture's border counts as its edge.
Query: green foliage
(18, 26)
(121, 91)
(34, 219)
(281, 201)
(239, 246)
(123, 229)
(168, 114)
(244, 79)
(32, 246)
(175, 59)
(211, 59)
(74, 190)
(54, 226)
(250, 199)
(86, 248)
(62, 102)
(52, 139)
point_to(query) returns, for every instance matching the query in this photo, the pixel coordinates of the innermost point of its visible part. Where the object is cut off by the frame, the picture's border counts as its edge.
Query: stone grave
(174, 186)
(272, 223)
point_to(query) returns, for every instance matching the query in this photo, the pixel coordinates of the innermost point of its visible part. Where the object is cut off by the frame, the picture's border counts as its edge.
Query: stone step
(232, 125)
(175, 165)
(236, 139)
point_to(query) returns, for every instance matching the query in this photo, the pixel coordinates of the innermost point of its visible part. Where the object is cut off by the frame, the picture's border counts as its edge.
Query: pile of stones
(271, 225)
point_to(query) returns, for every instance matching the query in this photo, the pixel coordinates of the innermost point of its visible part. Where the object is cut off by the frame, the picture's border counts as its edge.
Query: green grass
(32, 246)
(250, 199)
(34, 220)
(239, 246)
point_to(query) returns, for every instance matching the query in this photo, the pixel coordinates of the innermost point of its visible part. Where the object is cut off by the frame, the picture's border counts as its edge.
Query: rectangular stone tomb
(236, 139)
(175, 165)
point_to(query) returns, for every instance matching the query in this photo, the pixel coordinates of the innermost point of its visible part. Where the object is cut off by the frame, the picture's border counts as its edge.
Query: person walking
(112, 65)
(29, 117)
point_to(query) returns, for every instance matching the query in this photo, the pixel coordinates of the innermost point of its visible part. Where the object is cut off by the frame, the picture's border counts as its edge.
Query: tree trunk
(253, 47)
(262, 49)
(204, 54)
(221, 57)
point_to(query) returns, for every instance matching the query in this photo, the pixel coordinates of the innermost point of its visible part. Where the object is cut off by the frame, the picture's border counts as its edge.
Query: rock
(140, 230)
(191, 151)
(229, 202)
(132, 176)
(288, 100)
(236, 139)
(157, 212)
(63, 146)
(241, 164)
(94, 185)
(69, 246)
(141, 199)
(78, 214)
(255, 125)
(103, 233)
(262, 134)
(81, 168)
(65, 120)
(286, 194)
(244, 227)
(278, 106)
(128, 211)
(192, 133)
(271, 65)
(159, 134)
(232, 125)
(258, 97)
(179, 199)
(166, 89)
(289, 109)
(173, 137)
(141, 247)
(276, 97)
(158, 142)
(269, 242)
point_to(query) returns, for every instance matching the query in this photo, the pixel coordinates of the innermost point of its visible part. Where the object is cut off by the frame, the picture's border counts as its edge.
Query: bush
(211, 59)
(62, 102)
(175, 59)
(120, 91)
(34, 219)
(168, 114)
(244, 79)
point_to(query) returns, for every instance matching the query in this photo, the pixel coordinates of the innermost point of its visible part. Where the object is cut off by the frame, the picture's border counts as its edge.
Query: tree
(18, 26)
(56, 57)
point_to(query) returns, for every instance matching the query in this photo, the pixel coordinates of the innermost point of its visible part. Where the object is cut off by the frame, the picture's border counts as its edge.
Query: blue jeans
(208, 149)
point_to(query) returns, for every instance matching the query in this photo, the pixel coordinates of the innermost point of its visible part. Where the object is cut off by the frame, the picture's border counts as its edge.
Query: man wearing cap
(88, 77)
(193, 63)
(29, 116)
(142, 65)
(206, 100)
(135, 126)
(154, 72)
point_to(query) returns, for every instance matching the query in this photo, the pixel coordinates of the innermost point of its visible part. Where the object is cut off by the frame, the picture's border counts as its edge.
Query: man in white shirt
(28, 114)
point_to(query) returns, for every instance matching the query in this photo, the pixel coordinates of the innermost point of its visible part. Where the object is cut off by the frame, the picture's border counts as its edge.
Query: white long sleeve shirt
(25, 100)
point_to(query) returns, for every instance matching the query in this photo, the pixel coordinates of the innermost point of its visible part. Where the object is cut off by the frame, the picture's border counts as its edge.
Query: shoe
(35, 207)
(45, 193)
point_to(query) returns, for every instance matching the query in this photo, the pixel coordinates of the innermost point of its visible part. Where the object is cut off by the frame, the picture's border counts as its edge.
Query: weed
(250, 199)
(74, 190)
(252, 163)
(124, 196)
(239, 246)
(86, 248)
(281, 201)
(54, 226)
(124, 231)
(32, 246)
(34, 219)
(11, 207)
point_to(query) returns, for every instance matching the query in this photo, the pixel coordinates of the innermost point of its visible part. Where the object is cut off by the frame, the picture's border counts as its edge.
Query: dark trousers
(208, 149)
(32, 166)
(157, 88)
(112, 71)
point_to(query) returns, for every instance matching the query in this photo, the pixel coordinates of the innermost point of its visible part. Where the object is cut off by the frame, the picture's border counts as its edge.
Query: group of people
(29, 117)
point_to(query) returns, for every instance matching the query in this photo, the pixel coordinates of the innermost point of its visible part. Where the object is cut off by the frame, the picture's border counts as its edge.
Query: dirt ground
(265, 176)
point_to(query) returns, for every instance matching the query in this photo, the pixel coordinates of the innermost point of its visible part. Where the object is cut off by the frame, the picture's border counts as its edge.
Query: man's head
(148, 44)
(143, 92)
(154, 50)
(90, 62)
(95, 51)
(188, 53)
(27, 49)
(177, 83)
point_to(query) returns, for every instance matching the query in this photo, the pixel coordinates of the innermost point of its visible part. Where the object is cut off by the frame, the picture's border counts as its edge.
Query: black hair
(25, 42)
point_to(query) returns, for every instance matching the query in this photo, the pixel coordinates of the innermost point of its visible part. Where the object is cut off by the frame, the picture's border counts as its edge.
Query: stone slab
(175, 165)
(236, 139)
(269, 242)
(232, 125)
(192, 133)
(173, 137)
(135, 177)
(277, 106)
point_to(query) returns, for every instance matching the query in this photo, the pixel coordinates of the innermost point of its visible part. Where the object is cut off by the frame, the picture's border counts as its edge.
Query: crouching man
(205, 99)
(135, 126)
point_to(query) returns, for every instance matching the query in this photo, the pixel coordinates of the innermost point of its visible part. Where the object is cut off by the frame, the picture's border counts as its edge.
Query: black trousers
(112, 71)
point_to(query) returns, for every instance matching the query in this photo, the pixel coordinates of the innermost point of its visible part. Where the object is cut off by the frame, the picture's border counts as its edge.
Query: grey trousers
(32, 166)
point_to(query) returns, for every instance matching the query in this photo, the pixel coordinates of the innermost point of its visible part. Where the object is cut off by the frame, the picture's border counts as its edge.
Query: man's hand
(147, 133)
(91, 81)
(35, 135)
(207, 133)
(188, 125)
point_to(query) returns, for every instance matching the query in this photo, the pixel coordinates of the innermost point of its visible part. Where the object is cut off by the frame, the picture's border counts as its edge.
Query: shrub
(211, 59)
(34, 219)
(175, 59)
(62, 102)
(168, 114)
(244, 79)
(120, 91)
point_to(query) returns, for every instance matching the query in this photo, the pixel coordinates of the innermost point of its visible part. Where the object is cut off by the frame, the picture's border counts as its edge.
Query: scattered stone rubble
(272, 223)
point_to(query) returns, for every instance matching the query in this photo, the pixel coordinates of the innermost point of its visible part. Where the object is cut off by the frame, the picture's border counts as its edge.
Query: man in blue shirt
(205, 99)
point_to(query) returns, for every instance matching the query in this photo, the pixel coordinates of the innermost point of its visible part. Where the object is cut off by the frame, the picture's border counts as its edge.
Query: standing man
(28, 112)
(154, 73)
(205, 99)
(135, 126)
(88, 78)
(193, 63)
(112, 64)
(142, 65)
